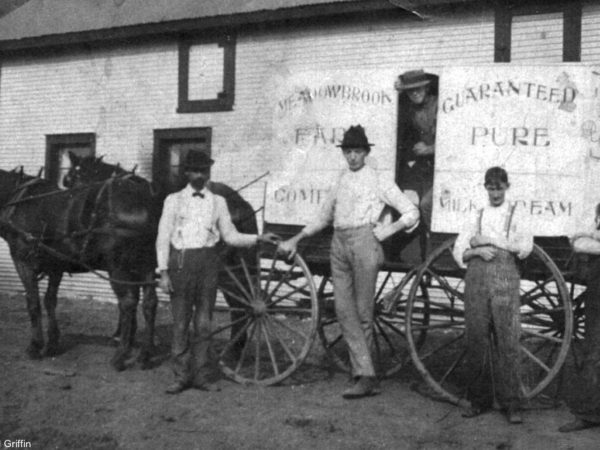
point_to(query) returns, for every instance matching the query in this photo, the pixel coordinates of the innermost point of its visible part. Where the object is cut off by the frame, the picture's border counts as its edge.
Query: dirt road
(77, 401)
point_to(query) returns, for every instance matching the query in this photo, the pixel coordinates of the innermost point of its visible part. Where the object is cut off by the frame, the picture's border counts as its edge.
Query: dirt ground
(77, 401)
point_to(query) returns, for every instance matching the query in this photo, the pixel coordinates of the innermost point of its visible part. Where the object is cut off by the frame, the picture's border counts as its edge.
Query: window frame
(225, 98)
(52, 163)
(506, 11)
(160, 159)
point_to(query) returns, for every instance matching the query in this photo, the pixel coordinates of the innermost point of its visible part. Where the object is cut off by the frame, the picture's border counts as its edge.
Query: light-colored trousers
(356, 256)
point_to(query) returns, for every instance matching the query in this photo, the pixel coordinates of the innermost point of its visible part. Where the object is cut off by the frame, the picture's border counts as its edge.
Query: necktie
(198, 194)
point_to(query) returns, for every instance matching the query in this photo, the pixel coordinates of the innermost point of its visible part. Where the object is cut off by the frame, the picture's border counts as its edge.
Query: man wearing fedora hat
(416, 161)
(354, 205)
(193, 221)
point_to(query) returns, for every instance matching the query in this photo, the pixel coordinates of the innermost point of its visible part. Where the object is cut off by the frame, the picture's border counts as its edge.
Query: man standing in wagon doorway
(354, 205)
(193, 221)
(417, 141)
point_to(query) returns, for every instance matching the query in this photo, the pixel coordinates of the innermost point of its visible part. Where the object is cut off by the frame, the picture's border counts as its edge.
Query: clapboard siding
(123, 94)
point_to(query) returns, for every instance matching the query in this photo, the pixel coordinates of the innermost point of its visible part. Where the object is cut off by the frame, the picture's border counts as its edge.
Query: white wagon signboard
(539, 123)
(311, 111)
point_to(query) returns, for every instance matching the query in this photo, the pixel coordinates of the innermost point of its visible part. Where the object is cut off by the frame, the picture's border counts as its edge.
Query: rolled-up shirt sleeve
(324, 216)
(463, 241)
(165, 229)
(227, 229)
(391, 195)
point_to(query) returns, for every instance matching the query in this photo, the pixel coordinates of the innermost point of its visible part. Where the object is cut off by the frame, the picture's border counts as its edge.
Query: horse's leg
(29, 279)
(128, 299)
(149, 304)
(54, 279)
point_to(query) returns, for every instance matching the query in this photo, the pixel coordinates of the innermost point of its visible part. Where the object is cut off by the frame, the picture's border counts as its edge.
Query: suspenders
(507, 221)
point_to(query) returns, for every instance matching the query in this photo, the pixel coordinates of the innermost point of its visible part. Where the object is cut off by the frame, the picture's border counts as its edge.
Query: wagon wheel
(390, 352)
(546, 324)
(265, 330)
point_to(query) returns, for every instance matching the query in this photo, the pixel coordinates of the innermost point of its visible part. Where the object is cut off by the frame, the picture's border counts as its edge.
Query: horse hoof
(33, 351)
(50, 350)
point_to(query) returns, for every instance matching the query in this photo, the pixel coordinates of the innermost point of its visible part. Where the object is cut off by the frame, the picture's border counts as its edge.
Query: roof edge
(203, 24)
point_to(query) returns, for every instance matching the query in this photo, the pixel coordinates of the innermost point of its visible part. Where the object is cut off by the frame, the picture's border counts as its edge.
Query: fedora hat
(412, 79)
(197, 160)
(355, 137)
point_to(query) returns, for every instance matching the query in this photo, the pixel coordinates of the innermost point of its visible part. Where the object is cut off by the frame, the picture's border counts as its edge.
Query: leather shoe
(177, 387)
(364, 387)
(514, 416)
(473, 411)
(577, 425)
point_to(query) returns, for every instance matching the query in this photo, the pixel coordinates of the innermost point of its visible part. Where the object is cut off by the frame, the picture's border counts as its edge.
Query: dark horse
(101, 226)
(89, 169)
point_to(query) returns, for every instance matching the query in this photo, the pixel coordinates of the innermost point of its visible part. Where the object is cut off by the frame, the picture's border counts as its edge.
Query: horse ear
(134, 169)
(100, 158)
(40, 172)
(73, 158)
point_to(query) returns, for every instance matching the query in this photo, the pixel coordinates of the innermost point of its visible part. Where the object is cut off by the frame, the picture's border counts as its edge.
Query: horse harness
(19, 197)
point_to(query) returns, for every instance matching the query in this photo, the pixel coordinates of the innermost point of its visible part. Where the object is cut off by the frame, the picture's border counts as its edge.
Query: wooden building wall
(123, 94)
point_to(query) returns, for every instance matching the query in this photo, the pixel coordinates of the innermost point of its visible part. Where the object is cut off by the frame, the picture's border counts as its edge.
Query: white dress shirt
(358, 198)
(189, 221)
(493, 225)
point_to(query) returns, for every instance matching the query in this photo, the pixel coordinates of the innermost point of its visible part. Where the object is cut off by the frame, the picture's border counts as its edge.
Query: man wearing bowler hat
(354, 205)
(416, 161)
(193, 221)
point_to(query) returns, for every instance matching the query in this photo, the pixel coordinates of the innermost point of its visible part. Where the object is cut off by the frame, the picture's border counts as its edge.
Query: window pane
(206, 70)
(537, 38)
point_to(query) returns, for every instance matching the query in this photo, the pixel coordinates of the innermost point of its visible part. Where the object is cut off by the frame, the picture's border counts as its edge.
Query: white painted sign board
(541, 123)
(311, 111)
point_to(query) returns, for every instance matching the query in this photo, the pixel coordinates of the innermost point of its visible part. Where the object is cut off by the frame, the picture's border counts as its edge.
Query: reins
(8, 209)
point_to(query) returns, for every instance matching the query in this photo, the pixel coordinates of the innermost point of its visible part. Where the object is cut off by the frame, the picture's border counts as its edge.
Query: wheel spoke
(249, 278)
(280, 340)
(229, 325)
(286, 296)
(424, 356)
(541, 336)
(240, 362)
(237, 282)
(284, 277)
(270, 349)
(535, 358)
(287, 327)
(453, 366)
(443, 283)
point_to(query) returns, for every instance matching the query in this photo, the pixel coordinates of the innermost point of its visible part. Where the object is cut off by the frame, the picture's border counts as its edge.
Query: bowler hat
(355, 137)
(197, 160)
(412, 79)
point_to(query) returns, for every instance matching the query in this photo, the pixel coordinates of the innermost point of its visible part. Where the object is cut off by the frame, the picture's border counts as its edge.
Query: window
(206, 74)
(58, 147)
(538, 32)
(170, 148)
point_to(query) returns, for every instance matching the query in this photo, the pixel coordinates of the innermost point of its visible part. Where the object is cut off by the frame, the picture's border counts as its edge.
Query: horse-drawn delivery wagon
(536, 121)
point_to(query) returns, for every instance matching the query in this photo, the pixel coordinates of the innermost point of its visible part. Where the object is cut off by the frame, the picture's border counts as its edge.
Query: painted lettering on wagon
(510, 136)
(309, 136)
(565, 97)
(287, 194)
(590, 130)
(555, 208)
(343, 92)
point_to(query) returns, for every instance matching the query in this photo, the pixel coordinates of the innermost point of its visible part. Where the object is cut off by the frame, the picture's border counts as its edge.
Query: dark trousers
(586, 405)
(493, 328)
(194, 274)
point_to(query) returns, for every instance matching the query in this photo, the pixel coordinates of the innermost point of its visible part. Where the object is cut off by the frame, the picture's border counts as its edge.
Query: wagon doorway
(170, 149)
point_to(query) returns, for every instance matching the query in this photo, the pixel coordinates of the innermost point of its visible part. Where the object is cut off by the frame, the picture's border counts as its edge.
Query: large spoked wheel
(439, 354)
(390, 352)
(266, 328)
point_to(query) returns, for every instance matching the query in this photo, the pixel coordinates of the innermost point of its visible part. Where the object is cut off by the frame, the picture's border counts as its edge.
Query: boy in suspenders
(487, 247)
